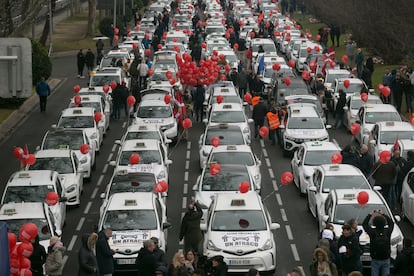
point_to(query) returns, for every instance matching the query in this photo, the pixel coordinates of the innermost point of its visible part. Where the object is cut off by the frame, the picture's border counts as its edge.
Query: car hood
(68, 179)
(156, 121)
(239, 242)
(205, 197)
(306, 133)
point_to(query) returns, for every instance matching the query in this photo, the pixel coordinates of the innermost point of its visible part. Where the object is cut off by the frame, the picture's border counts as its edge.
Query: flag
(396, 145)
(261, 66)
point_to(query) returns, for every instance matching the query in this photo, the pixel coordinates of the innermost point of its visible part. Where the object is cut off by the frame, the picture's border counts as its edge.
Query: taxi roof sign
(334, 167)
(316, 144)
(85, 98)
(389, 123)
(349, 196)
(63, 147)
(91, 88)
(130, 202)
(238, 202)
(24, 175)
(227, 106)
(9, 212)
(296, 110)
(231, 147)
(142, 128)
(77, 111)
(140, 145)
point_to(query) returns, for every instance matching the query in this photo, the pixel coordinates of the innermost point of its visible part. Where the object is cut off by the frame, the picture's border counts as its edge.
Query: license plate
(126, 261)
(239, 262)
(365, 258)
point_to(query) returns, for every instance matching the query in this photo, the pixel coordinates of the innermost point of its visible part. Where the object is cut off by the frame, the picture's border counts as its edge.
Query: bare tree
(28, 17)
(91, 17)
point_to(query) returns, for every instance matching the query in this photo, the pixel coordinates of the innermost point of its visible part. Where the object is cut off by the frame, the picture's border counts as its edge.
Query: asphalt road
(295, 239)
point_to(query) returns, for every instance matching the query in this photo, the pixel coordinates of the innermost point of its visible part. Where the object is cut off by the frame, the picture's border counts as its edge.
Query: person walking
(380, 241)
(89, 60)
(274, 123)
(80, 57)
(117, 102)
(198, 102)
(54, 260)
(242, 81)
(143, 72)
(339, 110)
(43, 90)
(365, 161)
(400, 164)
(146, 262)
(404, 265)
(258, 115)
(99, 50)
(349, 250)
(88, 265)
(359, 60)
(38, 257)
(104, 254)
(190, 227)
(321, 264)
(350, 52)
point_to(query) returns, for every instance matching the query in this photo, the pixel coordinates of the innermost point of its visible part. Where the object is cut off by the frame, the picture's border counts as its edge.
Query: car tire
(88, 179)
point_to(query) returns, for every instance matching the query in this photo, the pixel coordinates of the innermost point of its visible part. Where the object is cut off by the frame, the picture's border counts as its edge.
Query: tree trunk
(91, 17)
(28, 18)
(77, 6)
(45, 32)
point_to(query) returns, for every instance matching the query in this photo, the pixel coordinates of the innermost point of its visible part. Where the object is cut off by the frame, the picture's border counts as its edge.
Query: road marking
(114, 147)
(188, 145)
(187, 156)
(289, 232)
(80, 224)
(72, 242)
(187, 165)
(262, 143)
(182, 215)
(124, 124)
(109, 157)
(265, 153)
(271, 174)
(100, 180)
(105, 168)
(88, 206)
(295, 252)
(185, 190)
(64, 260)
(283, 213)
(267, 160)
(275, 187)
(186, 176)
(181, 243)
(184, 203)
(95, 191)
(279, 199)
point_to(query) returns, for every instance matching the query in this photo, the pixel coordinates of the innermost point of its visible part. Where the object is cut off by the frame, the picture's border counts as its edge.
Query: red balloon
(203, 45)
(287, 81)
(84, 148)
(316, 48)
(25, 272)
(318, 37)
(147, 52)
(223, 77)
(244, 187)
(159, 46)
(18, 152)
(336, 158)
(134, 159)
(215, 169)
(276, 67)
(364, 97)
(362, 198)
(52, 198)
(161, 187)
(309, 50)
(105, 89)
(168, 74)
(291, 63)
(131, 101)
(227, 68)
(312, 65)
(25, 249)
(384, 156)
(116, 31)
(263, 131)
(97, 117)
(219, 99)
(187, 123)
(347, 83)
(24, 263)
(380, 87)
(236, 46)
(113, 85)
(252, 34)
(215, 141)
(172, 81)
(28, 232)
(77, 100)
(247, 97)
(29, 159)
(14, 266)
(12, 240)
(386, 91)
(332, 64)
(134, 46)
(286, 178)
(305, 75)
(116, 38)
(345, 59)
(76, 88)
(150, 72)
(167, 98)
(355, 128)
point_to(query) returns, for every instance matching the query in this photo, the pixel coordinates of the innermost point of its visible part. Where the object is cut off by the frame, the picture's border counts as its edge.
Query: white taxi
(353, 104)
(33, 186)
(66, 164)
(83, 117)
(332, 74)
(342, 205)
(152, 158)
(239, 228)
(231, 114)
(307, 157)
(267, 44)
(99, 92)
(333, 177)
(229, 94)
(407, 197)
(107, 75)
(228, 135)
(133, 218)
(157, 112)
(303, 124)
(369, 115)
(237, 155)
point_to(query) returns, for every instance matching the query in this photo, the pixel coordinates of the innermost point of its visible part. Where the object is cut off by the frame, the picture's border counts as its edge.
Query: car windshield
(27, 193)
(389, 137)
(177, 39)
(228, 99)
(267, 47)
(63, 140)
(102, 80)
(132, 183)
(345, 212)
(154, 112)
(353, 88)
(375, 117)
(42, 225)
(227, 137)
(76, 122)
(330, 78)
(143, 135)
(305, 123)
(145, 157)
(344, 182)
(218, 29)
(283, 92)
(231, 58)
(121, 220)
(224, 181)
(232, 220)
(110, 61)
(211, 46)
(358, 103)
(317, 103)
(269, 73)
(236, 157)
(60, 164)
(159, 76)
(227, 116)
(318, 157)
(95, 105)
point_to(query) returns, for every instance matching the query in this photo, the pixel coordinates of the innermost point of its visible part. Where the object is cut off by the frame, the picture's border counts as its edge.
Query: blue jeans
(339, 120)
(380, 267)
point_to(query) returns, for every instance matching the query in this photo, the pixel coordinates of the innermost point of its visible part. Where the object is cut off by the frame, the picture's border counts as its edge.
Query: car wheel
(88, 179)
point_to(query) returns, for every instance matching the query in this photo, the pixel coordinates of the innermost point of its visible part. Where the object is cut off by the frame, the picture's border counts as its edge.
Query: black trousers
(43, 101)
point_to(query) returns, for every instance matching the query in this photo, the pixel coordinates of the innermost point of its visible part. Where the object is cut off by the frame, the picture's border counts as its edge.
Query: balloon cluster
(19, 253)
(191, 74)
(384, 90)
(25, 157)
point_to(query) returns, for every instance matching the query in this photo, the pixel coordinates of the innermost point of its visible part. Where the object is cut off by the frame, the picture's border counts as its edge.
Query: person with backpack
(380, 241)
(404, 265)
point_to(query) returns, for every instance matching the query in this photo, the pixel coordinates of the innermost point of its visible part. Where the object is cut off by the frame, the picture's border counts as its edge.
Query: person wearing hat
(190, 227)
(218, 266)
(54, 260)
(349, 250)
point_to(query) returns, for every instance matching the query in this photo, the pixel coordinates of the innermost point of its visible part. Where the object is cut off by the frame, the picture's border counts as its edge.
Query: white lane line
(64, 260)
(181, 243)
(109, 157)
(124, 124)
(114, 147)
(271, 174)
(187, 156)
(188, 145)
(100, 181)
(186, 176)
(279, 199)
(187, 165)
(262, 143)
(283, 213)
(88, 206)
(182, 215)
(185, 190)
(80, 224)
(265, 153)
(95, 191)
(105, 168)
(295, 252)
(289, 232)
(274, 183)
(184, 203)
(267, 160)
(72, 243)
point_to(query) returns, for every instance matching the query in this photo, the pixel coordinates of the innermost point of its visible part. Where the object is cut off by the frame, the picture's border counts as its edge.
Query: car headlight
(83, 160)
(267, 245)
(212, 246)
(71, 189)
(256, 177)
(161, 174)
(246, 130)
(396, 240)
(94, 136)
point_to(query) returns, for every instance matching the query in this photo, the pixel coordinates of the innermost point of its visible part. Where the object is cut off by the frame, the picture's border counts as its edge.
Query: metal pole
(50, 28)
(114, 13)
(123, 7)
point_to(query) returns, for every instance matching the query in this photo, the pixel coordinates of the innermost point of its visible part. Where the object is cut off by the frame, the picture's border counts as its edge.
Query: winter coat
(199, 96)
(104, 254)
(349, 158)
(190, 225)
(220, 270)
(259, 113)
(80, 59)
(38, 258)
(143, 69)
(146, 263)
(365, 164)
(89, 58)
(350, 258)
(242, 80)
(54, 260)
(178, 271)
(404, 264)
(340, 104)
(87, 259)
(43, 89)
(373, 233)
(384, 174)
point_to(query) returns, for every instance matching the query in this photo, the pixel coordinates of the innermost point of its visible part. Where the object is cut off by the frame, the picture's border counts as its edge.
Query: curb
(17, 117)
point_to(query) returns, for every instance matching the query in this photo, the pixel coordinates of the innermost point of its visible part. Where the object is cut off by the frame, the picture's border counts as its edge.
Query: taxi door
(297, 162)
(312, 195)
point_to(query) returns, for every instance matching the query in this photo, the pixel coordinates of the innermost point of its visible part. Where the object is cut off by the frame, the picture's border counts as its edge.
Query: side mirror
(102, 196)
(397, 218)
(346, 108)
(250, 121)
(328, 126)
(377, 188)
(117, 142)
(168, 141)
(53, 126)
(166, 225)
(168, 162)
(37, 148)
(203, 227)
(325, 218)
(411, 197)
(312, 189)
(358, 121)
(58, 232)
(195, 187)
(205, 121)
(274, 226)
(112, 163)
(281, 126)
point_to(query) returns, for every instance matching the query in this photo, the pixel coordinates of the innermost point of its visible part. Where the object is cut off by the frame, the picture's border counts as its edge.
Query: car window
(224, 181)
(142, 135)
(344, 212)
(319, 157)
(73, 140)
(42, 224)
(375, 117)
(344, 182)
(227, 137)
(389, 137)
(305, 123)
(159, 211)
(76, 122)
(154, 112)
(98, 80)
(27, 193)
(132, 183)
(227, 116)
(231, 220)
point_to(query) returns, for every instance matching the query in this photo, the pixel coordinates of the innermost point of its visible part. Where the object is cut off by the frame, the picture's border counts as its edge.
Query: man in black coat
(339, 110)
(190, 227)
(159, 254)
(89, 60)
(404, 264)
(104, 254)
(146, 262)
(259, 115)
(365, 161)
(80, 58)
(198, 101)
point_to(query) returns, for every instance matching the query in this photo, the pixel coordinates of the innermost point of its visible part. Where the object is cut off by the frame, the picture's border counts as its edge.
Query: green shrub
(11, 103)
(41, 63)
